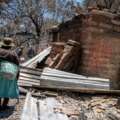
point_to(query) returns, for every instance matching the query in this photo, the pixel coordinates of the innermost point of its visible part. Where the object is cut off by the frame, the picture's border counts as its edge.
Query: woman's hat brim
(5, 45)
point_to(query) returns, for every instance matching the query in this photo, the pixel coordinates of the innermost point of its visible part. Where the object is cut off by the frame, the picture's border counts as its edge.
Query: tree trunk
(38, 32)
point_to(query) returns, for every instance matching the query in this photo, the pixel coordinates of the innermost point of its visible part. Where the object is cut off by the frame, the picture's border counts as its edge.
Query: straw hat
(7, 42)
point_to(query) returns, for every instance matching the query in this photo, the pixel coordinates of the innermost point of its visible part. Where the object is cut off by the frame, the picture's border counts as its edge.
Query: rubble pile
(36, 79)
(70, 106)
(55, 54)
(89, 107)
(67, 106)
(64, 56)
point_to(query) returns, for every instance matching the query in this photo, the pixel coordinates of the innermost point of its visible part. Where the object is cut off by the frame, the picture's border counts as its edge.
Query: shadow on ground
(7, 113)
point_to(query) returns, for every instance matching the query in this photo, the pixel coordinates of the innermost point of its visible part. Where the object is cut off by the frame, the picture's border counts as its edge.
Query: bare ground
(79, 107)
(15, 112)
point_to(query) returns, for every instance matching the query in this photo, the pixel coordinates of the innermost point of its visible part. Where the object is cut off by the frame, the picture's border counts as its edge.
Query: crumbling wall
(101, 46)
(68, 30)
(64, 56)
(99, 35)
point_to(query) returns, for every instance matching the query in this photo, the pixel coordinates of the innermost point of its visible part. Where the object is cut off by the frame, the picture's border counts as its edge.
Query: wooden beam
(82, 90)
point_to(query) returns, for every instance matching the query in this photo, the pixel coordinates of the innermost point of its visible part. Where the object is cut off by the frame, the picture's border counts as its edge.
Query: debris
(51, 106)
(66, 59)
(23, 90)
(111, 116)
(50, 94)
(59, 80)
(32, 62)
(74, 118)
(82, 115)
(74, 107)
(43, 112)
(68, 111)
(30, 109)
(55, 78)
(29, 77)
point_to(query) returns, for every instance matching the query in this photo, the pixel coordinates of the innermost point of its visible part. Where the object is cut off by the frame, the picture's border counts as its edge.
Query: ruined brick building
(99, 35)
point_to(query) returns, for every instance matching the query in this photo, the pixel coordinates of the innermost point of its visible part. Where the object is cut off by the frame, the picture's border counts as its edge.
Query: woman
(9, 73)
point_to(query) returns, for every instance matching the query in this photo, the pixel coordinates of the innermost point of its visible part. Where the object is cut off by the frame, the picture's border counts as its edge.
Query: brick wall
(99, 35)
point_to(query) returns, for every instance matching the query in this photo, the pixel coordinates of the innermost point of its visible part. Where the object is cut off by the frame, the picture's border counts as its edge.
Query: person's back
(9, 65)
(9, 55)
(31, 52)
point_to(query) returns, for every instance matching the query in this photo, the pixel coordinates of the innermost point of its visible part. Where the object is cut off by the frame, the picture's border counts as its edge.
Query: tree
(37, 10)
(38, 13)
(111, 5)
(34, 10)
(64, 9)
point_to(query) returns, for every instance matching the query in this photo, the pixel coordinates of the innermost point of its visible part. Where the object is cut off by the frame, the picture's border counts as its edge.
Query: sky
(4, 22)
(79, 1)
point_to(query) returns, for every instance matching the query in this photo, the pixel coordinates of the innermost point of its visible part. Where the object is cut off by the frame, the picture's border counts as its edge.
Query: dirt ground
(15, 112)
(76, 106)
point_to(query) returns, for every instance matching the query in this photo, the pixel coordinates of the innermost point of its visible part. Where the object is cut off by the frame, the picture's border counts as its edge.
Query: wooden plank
(41, 109)
(47, 111)
(37, 58)
(82, 90)
(30, 109)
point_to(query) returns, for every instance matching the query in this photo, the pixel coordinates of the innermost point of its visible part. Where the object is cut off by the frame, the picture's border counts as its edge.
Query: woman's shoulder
(13, 57)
